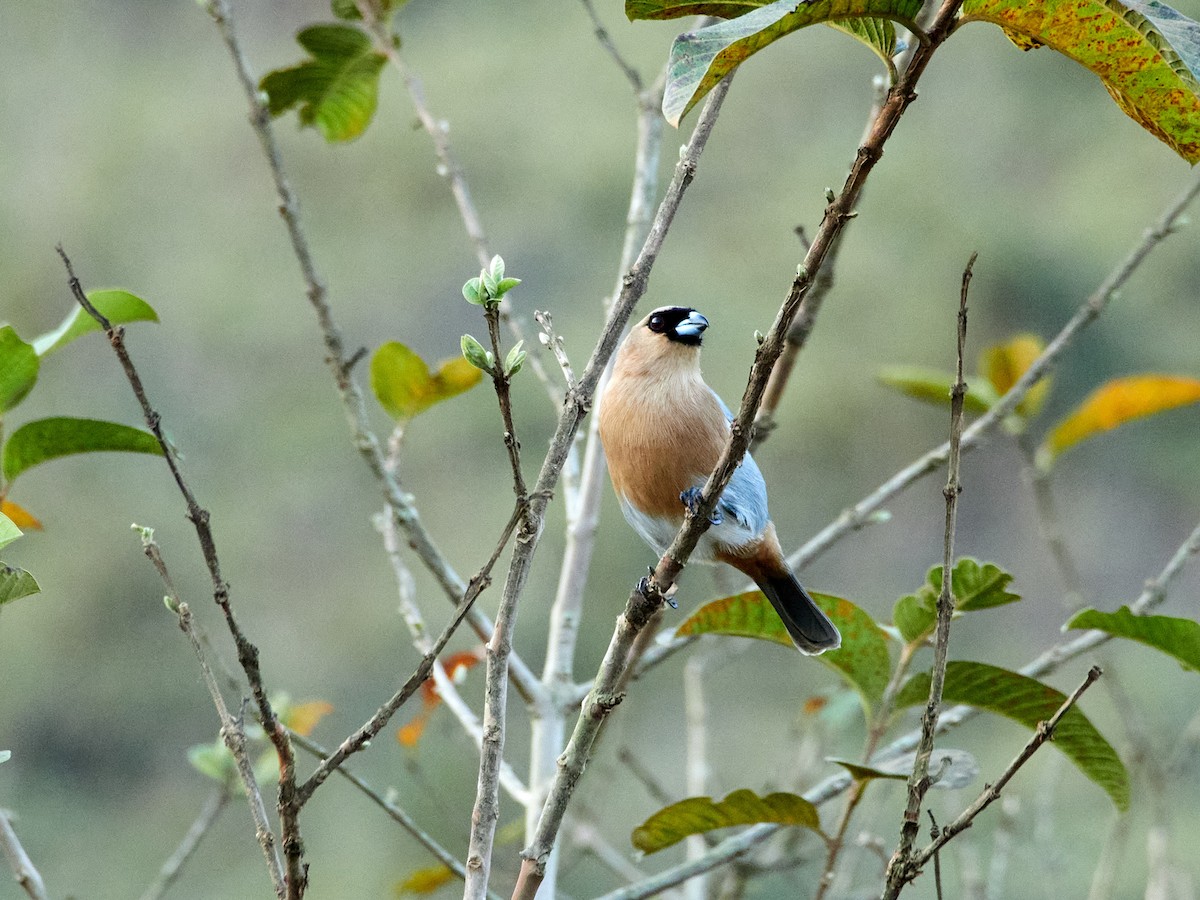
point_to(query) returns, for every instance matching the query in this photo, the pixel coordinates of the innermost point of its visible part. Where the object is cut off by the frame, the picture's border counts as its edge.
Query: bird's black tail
(810, 629)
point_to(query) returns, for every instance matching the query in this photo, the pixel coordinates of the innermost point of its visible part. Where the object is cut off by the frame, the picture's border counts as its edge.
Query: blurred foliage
(1021, 156)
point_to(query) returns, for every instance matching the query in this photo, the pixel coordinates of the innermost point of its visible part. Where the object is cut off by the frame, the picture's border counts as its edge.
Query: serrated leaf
(18, 368)
(933, 386)
(915, 615)
(119, 307)
(1145, 53)
(700, 59)
(1029, 702)
(699, 815)
(1115, 403)
(862, 659)
(975, 585)
(20, 516)
(425, 881)
(16, 583)
(404, 385)
(950, 769)
(1003, 364)
(46, 439)
(1176, 637)
(337, 90)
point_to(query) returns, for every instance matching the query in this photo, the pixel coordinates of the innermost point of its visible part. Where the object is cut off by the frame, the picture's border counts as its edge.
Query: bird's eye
(656, 323)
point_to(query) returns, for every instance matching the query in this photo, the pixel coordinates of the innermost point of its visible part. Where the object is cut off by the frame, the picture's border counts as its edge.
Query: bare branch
(606, 41)
(23, 869)
(901, 868)
(173, 867)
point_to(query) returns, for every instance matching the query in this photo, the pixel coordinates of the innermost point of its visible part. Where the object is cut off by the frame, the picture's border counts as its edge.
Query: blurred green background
(126, 139)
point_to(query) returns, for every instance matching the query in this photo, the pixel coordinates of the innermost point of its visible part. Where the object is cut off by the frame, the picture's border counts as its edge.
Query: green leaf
(915, 615)
(119, 307)
(473, 291)
(45, 439)
(699, 815)
(1178, 638)
(404, 385)
(18, 369)
(9, 531)
(16, 583)
(862, 659)
(337, 90)
(474, 353)
(878, 34)
(950, 769)
(933, 386)
(214, 760)
(700, 59)
(1029, 702)
(1146, 54)
(975, 585)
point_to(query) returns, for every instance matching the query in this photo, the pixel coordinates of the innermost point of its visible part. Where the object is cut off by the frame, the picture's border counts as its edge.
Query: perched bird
(663, 431)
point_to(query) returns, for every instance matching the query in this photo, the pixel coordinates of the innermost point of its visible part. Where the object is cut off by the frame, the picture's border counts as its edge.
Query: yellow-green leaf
(699, 815)
(46, 439)
(862, 659)
(1146, 54)
(424, 881)
(119, 307)
(933, 386)
(1115, 403)
(404, 385)
(1003, 364)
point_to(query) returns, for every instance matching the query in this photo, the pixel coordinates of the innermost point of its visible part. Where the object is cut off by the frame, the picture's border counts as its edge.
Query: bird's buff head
(680, 324)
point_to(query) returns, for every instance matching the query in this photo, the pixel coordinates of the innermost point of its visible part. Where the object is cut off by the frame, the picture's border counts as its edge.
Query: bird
(663, 430)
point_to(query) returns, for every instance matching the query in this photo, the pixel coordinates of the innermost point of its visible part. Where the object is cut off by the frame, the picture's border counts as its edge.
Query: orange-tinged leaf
(1115, 403)
(409, 734)
(700, 815)
(424, 881)
(1143, 51)
(1004, 364)
(404, 385)
(20, 516)
(303, 717)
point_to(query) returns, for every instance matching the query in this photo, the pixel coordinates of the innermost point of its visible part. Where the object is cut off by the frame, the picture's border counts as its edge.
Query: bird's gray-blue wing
(745, 498)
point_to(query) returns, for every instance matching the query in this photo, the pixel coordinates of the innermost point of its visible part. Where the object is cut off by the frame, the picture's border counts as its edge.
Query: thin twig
(22, 867)
(363, 735)
(606, 41)
(173, 867)
(399, 502)
(398, 815)
(1041, 734)
(900, 869)
(937, 860)
(247, 652)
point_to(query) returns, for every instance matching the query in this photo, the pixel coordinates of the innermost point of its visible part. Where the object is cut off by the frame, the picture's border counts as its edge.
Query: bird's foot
(651, 593)
(691, 499)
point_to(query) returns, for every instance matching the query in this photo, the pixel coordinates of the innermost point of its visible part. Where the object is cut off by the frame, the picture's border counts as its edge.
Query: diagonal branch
(247, 652)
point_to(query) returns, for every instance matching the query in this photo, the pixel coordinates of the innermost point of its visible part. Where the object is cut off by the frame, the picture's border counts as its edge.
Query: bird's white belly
(658, 532)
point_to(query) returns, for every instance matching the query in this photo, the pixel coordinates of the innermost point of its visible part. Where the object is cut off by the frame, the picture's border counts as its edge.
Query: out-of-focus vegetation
(126, 139)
